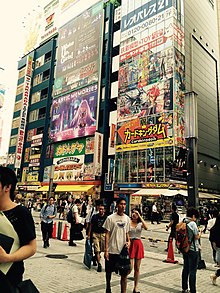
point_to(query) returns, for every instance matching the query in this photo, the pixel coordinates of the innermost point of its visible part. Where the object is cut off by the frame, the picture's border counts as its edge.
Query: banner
(24, 110)
(74, 115)
(98, 154)
(138, 134)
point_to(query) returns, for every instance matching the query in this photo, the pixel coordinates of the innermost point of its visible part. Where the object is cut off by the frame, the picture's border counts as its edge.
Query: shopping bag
(88, 254)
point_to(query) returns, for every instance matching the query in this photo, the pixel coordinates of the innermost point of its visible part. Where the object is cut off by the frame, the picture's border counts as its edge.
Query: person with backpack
(188, 244)
(47, 214)
(214, 238)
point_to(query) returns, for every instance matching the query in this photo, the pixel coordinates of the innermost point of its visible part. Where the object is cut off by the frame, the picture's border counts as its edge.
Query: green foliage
(116, 3)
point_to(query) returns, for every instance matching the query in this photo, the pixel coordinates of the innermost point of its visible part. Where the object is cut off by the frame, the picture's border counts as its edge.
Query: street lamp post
(191, 136)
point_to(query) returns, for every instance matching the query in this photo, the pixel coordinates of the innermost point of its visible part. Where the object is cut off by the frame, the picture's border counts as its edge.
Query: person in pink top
(136, 249)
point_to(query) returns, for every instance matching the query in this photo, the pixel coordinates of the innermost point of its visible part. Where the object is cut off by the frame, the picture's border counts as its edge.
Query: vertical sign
(24, 109)
(98, 154)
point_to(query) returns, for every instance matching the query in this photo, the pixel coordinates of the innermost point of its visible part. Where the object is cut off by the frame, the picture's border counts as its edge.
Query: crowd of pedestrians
(112, 233)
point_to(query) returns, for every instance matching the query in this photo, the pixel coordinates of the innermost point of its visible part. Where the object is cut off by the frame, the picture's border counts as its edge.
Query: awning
(173, 192)
(150, 192)
(43, 188)
(80, 188)
(204, 195)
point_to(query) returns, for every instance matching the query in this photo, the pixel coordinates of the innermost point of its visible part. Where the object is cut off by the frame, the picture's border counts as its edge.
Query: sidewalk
(69, 275)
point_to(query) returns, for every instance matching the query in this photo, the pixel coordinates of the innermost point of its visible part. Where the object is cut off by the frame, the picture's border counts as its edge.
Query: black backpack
(69, 216)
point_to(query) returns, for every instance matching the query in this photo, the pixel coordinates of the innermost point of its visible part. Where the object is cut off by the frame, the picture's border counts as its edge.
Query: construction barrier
(59, 230)
(65, 234)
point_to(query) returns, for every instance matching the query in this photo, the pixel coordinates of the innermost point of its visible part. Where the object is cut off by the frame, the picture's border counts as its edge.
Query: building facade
(106, 108)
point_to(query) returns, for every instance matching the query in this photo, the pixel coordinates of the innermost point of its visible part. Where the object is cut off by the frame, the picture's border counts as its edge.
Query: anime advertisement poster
(145, 69)
(179, 91)
(74, 115)
(68, 168)
(79, 46)
(90, 145)
(138, 16)
(70, 148)
(88, 173)
(138, 134)
(149, 100)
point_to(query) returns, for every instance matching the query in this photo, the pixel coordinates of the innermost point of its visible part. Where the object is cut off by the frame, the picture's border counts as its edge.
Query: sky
(12, 21)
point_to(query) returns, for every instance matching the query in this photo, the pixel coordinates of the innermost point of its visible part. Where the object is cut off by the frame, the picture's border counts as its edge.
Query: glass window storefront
(150, 165)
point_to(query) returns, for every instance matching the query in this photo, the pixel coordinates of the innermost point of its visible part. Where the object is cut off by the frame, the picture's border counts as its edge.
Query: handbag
(124, 263)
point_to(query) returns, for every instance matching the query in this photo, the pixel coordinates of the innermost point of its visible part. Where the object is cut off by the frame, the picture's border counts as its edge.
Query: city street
(69, 275)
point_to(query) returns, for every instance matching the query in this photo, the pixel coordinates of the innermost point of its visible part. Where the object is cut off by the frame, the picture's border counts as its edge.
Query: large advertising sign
(68, 168)
(50, 19)
(151, 78)
(24, 110)
(78, 52)
(139, 134)
(138, 16)
(74, 115)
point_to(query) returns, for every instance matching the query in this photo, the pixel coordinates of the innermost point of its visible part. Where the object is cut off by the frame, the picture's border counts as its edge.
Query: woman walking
(136, 250)
(215, 240)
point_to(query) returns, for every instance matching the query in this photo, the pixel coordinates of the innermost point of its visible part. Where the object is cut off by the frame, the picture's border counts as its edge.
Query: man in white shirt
(154, 214)
(117, 227)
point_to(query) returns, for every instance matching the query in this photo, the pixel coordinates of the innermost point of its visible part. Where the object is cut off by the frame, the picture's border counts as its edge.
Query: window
(16, 123)
(40, 130)
(33, 116)
(21, 73)
(37, 79)
(48, 57)
(13, 141)
(35, 98)
(44, 94)
(39, 62)
(46, 75)
(19, 89)
(18, 106)
(42, 113)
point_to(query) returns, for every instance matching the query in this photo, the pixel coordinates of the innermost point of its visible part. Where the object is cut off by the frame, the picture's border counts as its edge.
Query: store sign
(23, 121)
(37, 140)
(70, 148)
(98, 154)
(69, 168)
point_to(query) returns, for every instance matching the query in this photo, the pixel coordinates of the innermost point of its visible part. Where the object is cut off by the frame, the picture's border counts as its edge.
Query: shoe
(152, 223)
(213, 278)
(99, 268)
(108, 291)
(136, 291)
(72, 244)
(166, 249)
(45, 245)
(185, 291)
(48, 244)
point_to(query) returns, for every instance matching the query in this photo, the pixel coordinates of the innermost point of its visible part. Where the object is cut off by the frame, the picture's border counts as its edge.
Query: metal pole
(51, 179)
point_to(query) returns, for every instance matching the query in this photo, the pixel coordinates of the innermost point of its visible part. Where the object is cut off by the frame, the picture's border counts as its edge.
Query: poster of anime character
(74, 115)
(146, 101)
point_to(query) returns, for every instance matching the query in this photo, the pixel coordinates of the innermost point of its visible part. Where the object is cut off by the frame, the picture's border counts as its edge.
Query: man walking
(97, 233)
(190, 259)
(47, 214)
(174, 219)
(154, 214)
(117, 227)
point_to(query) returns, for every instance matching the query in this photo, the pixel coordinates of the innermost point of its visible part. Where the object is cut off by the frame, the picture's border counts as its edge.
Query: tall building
(103, 109)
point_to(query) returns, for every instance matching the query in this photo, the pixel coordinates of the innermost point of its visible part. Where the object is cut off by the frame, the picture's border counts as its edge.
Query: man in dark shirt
(98, 233)
(174, 219)
(15, 222)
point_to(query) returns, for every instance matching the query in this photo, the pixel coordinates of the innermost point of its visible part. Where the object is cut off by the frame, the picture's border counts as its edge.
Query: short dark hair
(192, 211)
(77, 201)
(8, 177)
(118, 200)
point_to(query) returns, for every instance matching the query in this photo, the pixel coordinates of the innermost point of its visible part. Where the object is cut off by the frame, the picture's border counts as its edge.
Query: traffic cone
(54, 234)
(170, 254)
(65, 237)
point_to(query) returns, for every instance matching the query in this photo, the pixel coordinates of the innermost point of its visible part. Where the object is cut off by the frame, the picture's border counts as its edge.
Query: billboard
(140, 134)
(50, 20)
(74, 115)
(79, 45)
(68, 168)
